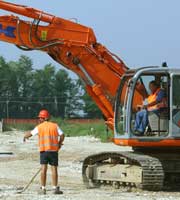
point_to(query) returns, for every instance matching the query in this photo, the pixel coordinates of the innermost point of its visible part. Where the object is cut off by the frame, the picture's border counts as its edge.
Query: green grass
(97, 129)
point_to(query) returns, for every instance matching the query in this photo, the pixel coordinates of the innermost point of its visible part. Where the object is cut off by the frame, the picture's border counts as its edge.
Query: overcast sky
(141, 32)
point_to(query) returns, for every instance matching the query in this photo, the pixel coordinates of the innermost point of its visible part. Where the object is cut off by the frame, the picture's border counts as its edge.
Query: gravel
(16, 171)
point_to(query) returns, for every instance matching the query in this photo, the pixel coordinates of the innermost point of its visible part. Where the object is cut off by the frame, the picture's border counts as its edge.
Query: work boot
(57, 191)
(42, 191)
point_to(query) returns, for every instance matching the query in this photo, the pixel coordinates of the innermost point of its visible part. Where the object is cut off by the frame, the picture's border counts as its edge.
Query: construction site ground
(17, 170)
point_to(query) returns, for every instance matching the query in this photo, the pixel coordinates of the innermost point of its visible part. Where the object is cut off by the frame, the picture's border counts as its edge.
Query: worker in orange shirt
(51, 139)
(156, 102)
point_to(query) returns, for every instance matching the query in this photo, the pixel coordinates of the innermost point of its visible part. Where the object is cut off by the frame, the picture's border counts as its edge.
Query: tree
(67, 94)
(8, 86)
(90, 108)
(74, 106)
(24, 91)
(22, 70)
(43, 90)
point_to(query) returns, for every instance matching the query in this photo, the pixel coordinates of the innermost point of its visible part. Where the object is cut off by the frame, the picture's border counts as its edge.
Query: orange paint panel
(138, 143)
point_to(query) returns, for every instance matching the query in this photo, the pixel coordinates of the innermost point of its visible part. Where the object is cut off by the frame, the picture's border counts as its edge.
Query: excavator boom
(72, 45)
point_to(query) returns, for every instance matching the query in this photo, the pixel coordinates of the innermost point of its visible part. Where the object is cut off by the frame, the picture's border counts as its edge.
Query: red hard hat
(44, 114)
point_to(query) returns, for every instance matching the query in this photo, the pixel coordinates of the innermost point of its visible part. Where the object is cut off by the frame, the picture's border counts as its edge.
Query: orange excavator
(154, 162)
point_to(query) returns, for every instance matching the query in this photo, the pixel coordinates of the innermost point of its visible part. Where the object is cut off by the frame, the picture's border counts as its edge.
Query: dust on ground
(17, 170)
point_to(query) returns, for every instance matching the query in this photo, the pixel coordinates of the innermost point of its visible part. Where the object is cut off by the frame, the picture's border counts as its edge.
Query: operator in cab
(156, 102)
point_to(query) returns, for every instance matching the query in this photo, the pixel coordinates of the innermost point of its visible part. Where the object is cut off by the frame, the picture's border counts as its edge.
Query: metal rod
(91, 82)
(26, 11)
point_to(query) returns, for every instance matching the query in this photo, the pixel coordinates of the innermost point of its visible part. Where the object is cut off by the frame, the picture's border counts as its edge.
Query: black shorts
(49, 157)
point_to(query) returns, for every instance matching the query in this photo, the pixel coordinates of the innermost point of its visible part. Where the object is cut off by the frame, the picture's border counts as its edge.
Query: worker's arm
(61, 136)
(27, 135)
(61, 140)
(30, 133)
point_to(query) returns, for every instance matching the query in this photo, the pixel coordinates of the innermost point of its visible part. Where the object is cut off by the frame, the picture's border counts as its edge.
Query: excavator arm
(72, 45)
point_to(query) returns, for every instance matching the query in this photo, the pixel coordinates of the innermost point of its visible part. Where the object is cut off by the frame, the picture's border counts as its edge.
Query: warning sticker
(44, 35)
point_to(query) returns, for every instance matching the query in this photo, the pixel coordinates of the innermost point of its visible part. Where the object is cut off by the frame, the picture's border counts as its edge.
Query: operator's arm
(159, 99)
(151, 104)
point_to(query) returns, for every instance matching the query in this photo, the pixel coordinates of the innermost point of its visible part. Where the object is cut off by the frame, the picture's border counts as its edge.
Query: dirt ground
(17, 170)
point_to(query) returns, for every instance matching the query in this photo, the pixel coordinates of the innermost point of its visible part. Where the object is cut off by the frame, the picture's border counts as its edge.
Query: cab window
(149, 110)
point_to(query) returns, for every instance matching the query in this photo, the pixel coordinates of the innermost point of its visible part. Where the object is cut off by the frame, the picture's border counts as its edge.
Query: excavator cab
(162, 128)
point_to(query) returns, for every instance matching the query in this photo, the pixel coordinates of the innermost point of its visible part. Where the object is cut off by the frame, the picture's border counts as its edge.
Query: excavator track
(151, 174)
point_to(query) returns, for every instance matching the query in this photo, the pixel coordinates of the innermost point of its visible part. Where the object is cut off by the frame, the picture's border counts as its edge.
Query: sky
(140, 32)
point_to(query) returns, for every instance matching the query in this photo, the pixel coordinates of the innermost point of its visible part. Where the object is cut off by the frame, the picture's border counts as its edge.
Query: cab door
(121, 105)
(175, 108)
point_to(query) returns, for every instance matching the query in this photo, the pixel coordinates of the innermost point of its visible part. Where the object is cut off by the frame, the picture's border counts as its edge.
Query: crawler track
(152, 170)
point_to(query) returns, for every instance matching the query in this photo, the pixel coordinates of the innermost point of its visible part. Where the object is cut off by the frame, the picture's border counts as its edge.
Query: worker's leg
(43, 175)
(56, 188)
(138, 119)
(141, 121)
(54, 176)
(54, 169)
(53, 161)
(144, 121)
(44, 163)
